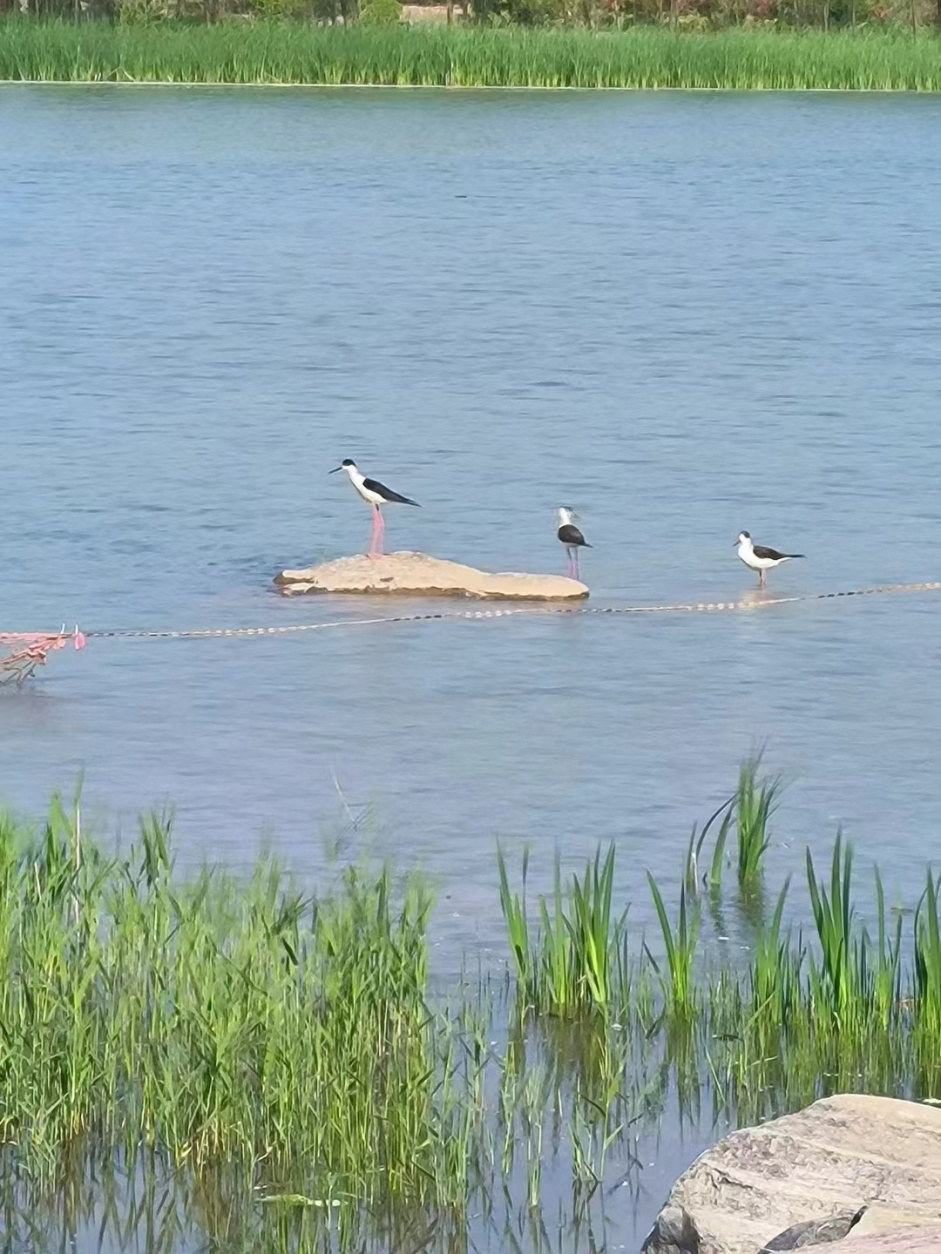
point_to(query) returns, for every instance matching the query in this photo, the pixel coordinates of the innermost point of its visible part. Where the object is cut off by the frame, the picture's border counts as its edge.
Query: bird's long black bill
(334, 470)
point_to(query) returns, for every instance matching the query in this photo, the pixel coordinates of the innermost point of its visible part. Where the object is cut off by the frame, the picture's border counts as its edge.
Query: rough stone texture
(674, 1233)
(899, 1241)
(838, 1155)
(405, 574)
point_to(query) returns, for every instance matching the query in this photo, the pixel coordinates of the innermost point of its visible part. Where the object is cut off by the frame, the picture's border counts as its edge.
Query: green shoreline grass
(645, 58)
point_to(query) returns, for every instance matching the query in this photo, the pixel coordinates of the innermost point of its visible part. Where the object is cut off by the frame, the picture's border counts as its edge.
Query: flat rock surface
(410, 574)
(838, 1155)
(898, 1241)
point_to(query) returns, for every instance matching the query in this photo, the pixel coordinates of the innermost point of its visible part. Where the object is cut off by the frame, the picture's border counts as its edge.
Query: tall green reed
(678, 981)
(927, 988)
(747, 814)
(216, 1018)
(575, 961)
(725, 816)
(248, 1022)
(644, 57)
(885, 962)
(838, 977)
(754, 802)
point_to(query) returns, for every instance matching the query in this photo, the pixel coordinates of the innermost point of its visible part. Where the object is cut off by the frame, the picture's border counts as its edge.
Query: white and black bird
(757, 557)
(572, 538)
(375, 494)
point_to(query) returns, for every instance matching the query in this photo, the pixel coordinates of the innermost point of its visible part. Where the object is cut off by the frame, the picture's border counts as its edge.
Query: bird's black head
(346, 463)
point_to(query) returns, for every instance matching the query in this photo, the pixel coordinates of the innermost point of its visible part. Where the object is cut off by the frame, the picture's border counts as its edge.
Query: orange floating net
(22, 652)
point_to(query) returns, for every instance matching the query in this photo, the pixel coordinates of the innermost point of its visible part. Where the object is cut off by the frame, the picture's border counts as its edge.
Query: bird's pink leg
(374, 534)
(380, 534)
(575, 565)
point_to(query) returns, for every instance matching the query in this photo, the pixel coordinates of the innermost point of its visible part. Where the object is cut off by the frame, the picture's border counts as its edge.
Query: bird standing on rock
(375, 494)
(572, 538)
(757, 557)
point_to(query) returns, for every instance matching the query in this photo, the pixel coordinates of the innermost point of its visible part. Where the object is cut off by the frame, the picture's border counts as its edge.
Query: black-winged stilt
(757, 557)
(572, 538)
(375, 494)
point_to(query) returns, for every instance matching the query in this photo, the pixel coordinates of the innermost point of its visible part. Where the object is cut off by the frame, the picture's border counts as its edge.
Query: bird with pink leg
(572, 538)
(375, 494)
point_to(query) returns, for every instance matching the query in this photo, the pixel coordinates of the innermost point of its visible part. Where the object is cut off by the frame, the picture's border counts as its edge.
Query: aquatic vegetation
(697, 840)
(212, 1019)
(927, 990)
(240, 1037)
(838, 981)
(747, 812)
(754, 802)
(679, 943)
(642, 57)
(799, 1015)
(577, 960)
(244, 1038)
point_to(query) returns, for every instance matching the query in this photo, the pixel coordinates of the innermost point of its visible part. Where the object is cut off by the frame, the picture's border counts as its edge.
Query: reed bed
(854, 1001)
(648, 58)
(218, 1020)
(275, 1052)
(272, 1054)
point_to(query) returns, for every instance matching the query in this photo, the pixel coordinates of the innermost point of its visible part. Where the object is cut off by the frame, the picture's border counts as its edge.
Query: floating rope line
(513, 611)
(23, 652)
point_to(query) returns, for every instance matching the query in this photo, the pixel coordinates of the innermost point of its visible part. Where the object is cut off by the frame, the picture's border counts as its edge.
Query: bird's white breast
(358, 480)
(372, 497)
(754, 562)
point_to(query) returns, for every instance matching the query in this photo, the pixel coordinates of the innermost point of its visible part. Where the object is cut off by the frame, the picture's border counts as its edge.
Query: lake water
(684, 314)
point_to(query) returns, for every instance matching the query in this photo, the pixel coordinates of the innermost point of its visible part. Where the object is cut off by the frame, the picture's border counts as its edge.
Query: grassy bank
(282, 53)
(260, 1048)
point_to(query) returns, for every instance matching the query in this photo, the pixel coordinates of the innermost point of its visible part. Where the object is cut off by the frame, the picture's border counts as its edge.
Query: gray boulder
(822, 1165)
(899, 1241)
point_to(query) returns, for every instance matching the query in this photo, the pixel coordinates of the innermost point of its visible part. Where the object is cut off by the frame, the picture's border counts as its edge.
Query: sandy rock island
(417, 574)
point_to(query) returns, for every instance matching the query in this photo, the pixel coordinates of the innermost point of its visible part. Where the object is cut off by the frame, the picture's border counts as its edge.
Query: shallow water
(145, 1208)
(682, 314)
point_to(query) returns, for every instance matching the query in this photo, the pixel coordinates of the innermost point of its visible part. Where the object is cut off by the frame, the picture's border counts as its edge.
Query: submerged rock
(868, 1165)
(410, 574)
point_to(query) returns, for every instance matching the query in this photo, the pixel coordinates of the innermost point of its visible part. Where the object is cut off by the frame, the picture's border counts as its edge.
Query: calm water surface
(683, 314)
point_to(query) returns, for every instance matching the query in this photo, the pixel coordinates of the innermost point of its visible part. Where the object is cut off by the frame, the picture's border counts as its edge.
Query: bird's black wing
(573, 537)
(768, 555)
(373, 485)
